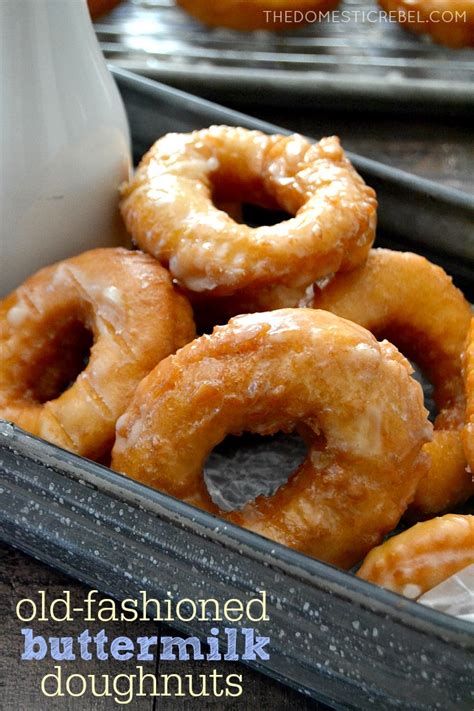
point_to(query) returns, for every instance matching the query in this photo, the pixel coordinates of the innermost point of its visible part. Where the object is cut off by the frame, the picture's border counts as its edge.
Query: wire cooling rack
(360, 57)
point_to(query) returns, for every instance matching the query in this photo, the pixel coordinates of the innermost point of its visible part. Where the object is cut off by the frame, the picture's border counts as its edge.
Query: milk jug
(64, 138)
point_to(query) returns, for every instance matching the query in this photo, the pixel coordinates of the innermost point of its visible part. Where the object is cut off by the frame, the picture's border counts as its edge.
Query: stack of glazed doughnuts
(99, 353)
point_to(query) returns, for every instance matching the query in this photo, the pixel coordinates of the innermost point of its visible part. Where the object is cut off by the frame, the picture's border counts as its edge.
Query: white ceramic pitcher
(64, 138)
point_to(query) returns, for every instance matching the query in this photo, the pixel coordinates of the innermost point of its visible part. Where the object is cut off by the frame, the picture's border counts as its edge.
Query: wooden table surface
(441, 149)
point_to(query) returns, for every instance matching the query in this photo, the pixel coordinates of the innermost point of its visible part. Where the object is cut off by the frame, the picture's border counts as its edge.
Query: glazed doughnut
(216, 311)
(363, 414)
(257, 14)
(449, 22)
(420, 558)
(100, 7)
(125, 303)
(403, 297)
(169, 211)
(468, 433)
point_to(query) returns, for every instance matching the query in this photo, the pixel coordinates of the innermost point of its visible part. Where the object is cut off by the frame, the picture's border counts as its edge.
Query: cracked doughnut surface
(413, 303)
(362, 412)
(169, 209)
(117, 304)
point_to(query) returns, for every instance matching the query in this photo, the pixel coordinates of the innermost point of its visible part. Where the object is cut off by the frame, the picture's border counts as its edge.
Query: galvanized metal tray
(362, 62)
(332, 636)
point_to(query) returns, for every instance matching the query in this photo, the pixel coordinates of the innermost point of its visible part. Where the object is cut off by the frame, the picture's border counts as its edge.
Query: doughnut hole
(245, 198)
(241, 468)
(428, 390)
(247, 213)
(447, 484)
(252, 215)
(256, 216)
(62, 357)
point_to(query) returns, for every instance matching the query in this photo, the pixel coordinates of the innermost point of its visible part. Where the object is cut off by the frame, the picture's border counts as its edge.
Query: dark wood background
(438, 148)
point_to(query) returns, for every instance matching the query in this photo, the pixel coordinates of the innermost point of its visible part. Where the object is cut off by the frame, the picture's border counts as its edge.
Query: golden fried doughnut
(257, 14)
(100, 7)
(168, 209)
(468, 433)
(449, 22)
(216, 311)
(363, 414)
(125, 303)
(420, 558)
(403, 297)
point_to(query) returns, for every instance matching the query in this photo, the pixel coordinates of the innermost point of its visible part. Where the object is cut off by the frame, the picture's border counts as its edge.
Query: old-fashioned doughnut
(169, 209)
(468, 363)
(118, 303)
(363, 414)
(403, 297)
(449, 22)
(421, 557)
(257, 14)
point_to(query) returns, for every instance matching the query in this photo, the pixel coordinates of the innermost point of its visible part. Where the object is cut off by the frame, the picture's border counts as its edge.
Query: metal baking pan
(332, 636)
(364, 62)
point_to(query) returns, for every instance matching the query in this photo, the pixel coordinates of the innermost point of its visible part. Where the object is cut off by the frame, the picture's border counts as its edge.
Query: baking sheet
(360, 63)
(332, 636)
